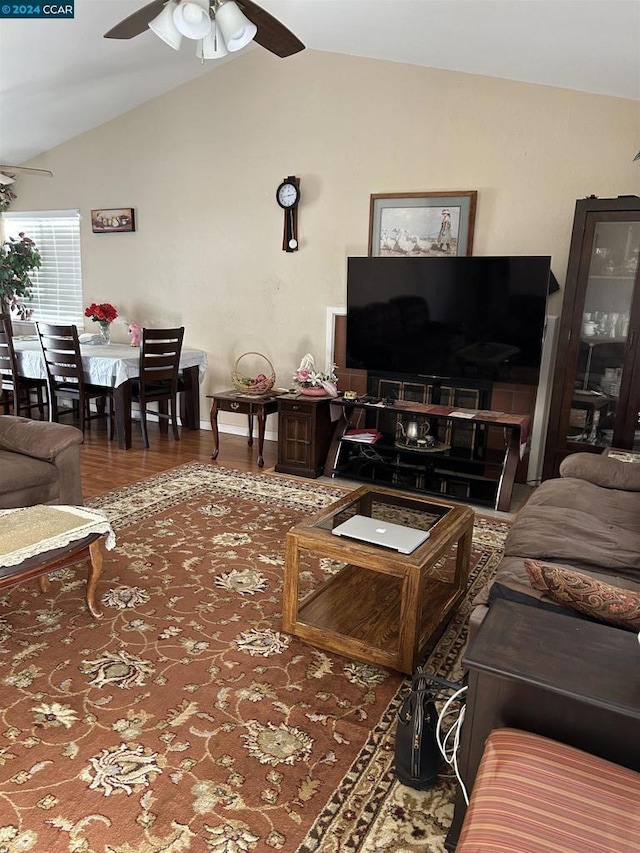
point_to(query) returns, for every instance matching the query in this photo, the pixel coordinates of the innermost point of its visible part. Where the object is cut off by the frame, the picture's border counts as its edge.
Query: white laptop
(377, 532)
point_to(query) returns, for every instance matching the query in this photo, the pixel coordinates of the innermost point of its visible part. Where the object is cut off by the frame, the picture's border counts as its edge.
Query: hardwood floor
(105, 467)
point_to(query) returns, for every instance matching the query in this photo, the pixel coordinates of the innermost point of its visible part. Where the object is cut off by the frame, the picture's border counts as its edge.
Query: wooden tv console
(459, 453)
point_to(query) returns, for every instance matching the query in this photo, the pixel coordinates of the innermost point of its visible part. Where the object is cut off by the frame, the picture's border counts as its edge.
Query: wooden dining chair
(14, 387)
(158, 381)
(65, 377)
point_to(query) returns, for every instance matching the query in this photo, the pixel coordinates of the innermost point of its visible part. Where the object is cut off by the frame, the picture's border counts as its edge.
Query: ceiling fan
(219, 26)
(8, 173)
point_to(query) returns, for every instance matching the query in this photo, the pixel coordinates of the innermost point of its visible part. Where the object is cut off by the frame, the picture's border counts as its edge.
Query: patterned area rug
(185, 720)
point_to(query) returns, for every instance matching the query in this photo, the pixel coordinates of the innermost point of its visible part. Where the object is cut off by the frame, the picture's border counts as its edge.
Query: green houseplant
(17, 259)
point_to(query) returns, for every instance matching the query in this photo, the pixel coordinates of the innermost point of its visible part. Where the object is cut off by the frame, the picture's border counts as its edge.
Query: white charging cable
(451, 756)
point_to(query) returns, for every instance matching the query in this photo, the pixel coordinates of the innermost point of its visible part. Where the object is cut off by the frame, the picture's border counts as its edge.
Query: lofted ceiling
(59, 78)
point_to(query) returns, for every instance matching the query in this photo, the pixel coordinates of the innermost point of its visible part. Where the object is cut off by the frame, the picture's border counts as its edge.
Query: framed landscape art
(422, 224)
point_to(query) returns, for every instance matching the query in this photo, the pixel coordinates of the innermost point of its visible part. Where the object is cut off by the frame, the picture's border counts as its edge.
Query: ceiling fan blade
(5, 180)
(271, 34)
(24, 170)
(137, 22)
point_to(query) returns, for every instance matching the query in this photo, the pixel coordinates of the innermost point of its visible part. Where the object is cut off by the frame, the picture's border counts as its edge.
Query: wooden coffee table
(380, 607)
(37, 540)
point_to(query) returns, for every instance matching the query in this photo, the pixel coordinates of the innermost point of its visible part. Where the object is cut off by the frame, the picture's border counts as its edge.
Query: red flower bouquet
(102, 313)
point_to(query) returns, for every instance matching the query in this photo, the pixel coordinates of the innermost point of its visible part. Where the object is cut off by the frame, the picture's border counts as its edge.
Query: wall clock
(288, 197)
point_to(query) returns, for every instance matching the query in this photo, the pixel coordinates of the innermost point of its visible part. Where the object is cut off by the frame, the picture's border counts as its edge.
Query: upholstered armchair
(39, 463)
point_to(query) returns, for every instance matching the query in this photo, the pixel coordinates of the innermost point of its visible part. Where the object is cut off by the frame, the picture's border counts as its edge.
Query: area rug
(185, 719)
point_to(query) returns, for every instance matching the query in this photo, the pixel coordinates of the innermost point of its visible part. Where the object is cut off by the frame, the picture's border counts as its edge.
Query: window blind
(57, 285)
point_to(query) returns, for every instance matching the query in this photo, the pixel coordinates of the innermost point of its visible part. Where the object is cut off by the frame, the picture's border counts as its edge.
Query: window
(57, 285)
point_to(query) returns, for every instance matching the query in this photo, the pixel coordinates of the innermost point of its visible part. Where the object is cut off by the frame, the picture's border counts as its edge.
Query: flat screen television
(449, 318)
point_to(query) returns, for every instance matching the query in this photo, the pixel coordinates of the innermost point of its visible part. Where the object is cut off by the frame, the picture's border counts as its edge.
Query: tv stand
(465, 454)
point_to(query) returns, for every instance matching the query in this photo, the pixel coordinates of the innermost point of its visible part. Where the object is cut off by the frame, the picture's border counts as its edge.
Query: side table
(304, 434)
(568, 679)
(251, 405)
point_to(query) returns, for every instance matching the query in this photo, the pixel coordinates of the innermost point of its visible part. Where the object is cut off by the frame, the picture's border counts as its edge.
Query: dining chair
(158, 381)
(65, 377)
(12, 385)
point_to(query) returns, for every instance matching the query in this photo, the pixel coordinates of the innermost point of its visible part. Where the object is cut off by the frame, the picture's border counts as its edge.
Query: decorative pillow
(601, 601)
(534, 570)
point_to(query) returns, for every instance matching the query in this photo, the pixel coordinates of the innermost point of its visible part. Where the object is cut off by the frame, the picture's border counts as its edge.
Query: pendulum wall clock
(288, 197)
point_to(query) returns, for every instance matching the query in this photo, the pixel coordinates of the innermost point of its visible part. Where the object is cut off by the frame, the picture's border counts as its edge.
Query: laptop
(384, 533)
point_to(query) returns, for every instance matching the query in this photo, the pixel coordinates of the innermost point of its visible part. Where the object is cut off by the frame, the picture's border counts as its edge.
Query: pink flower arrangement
(102, 313)
(306, 376)
(301, 376)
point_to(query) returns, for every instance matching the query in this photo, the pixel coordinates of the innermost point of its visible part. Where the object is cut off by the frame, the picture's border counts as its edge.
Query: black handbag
(417, 754)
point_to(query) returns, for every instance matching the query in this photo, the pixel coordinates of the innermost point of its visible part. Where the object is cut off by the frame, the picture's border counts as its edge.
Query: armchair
(39, 463)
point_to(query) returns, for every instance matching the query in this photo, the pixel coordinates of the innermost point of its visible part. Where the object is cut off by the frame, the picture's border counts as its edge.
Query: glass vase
(105, 331)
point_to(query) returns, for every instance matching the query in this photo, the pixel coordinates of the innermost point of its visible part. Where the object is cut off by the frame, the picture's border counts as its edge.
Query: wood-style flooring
(105, 467)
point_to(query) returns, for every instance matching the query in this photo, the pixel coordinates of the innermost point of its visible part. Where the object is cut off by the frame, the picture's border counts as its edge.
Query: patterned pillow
(534, 570)
(601, 601)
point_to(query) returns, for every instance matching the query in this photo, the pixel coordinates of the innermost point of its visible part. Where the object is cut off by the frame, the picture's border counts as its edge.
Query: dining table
(115, 366)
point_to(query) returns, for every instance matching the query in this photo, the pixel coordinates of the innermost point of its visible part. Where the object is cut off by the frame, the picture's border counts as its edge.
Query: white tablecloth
(103, 365)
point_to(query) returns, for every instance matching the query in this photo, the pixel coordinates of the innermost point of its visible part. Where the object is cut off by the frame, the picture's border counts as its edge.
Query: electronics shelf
(474, 457)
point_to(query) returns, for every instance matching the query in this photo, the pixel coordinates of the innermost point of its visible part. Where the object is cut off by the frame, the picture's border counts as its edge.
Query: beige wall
(200, 166)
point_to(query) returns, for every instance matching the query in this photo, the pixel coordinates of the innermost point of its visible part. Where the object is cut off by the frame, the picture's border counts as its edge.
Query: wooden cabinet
(304, 435)
(596, 386)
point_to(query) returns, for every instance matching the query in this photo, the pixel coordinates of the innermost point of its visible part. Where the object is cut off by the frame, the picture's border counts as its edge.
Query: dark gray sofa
(587, 519)
(39, 463)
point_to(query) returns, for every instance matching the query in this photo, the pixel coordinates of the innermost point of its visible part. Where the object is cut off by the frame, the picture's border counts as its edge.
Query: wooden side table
(568, 679)
(252, 405)
(304, 434)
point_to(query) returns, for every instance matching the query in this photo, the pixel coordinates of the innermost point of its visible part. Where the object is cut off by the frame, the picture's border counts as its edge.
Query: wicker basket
(252, 385)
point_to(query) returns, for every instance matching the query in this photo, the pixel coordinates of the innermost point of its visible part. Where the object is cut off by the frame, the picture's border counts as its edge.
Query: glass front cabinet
(595, 400)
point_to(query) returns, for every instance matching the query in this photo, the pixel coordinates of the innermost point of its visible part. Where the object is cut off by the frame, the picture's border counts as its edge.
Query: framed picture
(422, 225)
(112, 220)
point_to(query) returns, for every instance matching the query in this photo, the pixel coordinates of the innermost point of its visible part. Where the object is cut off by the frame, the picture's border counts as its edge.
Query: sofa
(585, 521)
(39, 463)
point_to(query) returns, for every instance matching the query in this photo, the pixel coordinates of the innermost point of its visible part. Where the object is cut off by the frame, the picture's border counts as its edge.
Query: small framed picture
(422, 225)
(108, 221)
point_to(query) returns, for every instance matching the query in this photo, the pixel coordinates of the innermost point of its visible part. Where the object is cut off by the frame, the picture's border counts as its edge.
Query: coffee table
(379, 606)
(37, 540)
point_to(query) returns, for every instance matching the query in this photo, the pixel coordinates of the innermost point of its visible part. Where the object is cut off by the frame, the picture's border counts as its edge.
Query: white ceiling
(59, 78)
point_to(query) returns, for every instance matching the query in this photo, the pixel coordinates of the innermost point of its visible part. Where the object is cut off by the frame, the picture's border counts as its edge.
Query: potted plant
(17, 259)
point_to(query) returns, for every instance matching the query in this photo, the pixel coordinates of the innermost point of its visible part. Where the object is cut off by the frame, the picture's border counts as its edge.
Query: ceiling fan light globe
(236, 28)
(212, 46)
(164, 28)
(191, 18)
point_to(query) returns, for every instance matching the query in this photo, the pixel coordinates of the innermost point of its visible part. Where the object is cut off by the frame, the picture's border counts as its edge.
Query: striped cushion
(534, 795)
